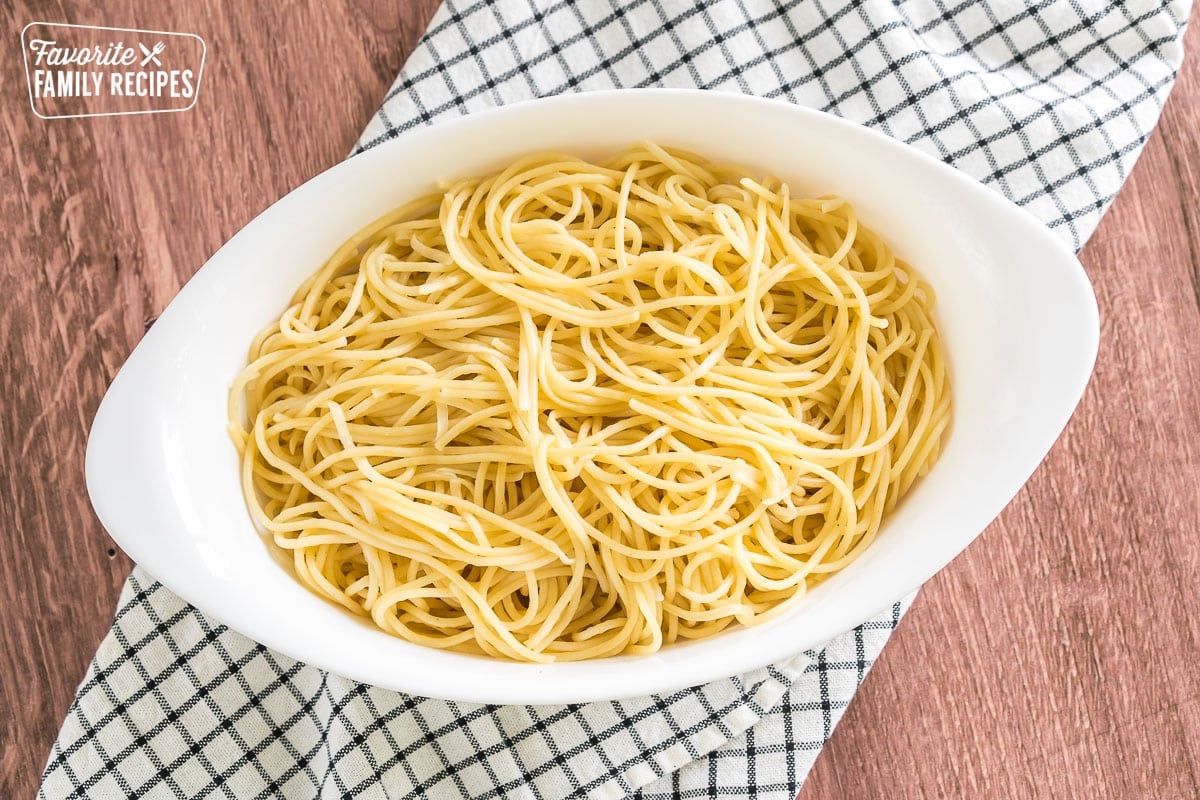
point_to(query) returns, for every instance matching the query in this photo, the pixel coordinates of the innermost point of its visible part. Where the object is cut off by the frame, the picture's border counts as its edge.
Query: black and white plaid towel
(1048, 103)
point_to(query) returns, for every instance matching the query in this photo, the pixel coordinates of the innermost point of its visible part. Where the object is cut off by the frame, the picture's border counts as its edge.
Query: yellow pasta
(574, 410)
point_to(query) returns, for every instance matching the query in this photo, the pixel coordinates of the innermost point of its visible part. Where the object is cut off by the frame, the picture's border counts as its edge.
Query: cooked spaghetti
(573, 410)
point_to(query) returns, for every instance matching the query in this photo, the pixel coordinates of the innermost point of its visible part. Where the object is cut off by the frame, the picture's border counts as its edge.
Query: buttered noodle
(572, 410)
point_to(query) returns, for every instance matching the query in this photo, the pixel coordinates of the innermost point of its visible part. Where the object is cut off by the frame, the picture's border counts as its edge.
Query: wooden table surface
(1057, 657)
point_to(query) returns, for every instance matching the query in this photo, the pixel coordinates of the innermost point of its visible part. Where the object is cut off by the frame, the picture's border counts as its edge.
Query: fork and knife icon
(151, 55)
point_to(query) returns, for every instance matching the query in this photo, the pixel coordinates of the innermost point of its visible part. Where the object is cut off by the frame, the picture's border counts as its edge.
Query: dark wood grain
(1055, 658)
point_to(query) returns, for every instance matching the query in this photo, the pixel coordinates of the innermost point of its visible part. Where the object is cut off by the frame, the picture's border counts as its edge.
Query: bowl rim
(658, 676)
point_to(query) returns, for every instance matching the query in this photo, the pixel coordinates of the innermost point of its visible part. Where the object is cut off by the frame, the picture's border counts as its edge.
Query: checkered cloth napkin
(1048, 104)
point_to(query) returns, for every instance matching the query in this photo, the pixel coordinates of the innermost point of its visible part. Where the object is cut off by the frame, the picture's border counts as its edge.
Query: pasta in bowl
(572, 410)
(1015, 330)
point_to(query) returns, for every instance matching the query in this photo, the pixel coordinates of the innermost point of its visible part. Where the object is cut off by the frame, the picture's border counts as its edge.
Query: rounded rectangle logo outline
(29, 81)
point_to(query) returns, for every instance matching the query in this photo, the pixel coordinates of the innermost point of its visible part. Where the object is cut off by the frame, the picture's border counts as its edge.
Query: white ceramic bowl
(1016, 312)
